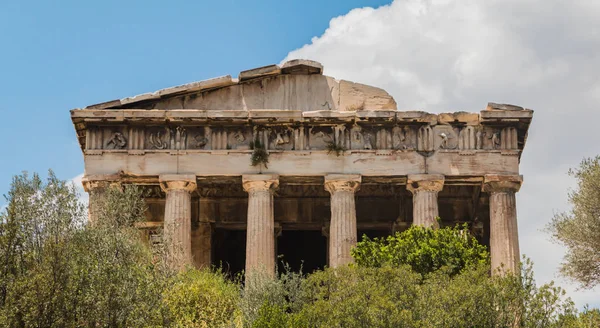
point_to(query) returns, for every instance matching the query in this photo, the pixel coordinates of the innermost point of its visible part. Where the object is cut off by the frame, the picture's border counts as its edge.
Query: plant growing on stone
(333, 147)
(259, 156)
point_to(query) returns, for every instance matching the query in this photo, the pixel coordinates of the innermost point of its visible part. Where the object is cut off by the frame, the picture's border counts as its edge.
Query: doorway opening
(229, 251)
(301, 249)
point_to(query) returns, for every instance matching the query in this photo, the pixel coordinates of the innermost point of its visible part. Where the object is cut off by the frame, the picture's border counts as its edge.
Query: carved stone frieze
(219, 138)
(425, 139)
(280, 138)
(509, 138)
(467, 138)
(320, 137)
(197, 137)
(363, 138)
(239, 138)
(178, 137)
(383, 138)
(300, 138)
(94, 138)
(446, 137)
(404, 138)
(136, 137)
(158, 138)
(288, 137)
(115, 138)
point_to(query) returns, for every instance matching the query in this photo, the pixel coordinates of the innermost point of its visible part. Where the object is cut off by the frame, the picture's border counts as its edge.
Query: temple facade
(284, 164)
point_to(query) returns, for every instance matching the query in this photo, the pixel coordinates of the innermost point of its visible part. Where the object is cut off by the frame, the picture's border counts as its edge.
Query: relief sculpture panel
(115, 137)
(158, 138)
(198, 138)
(362, 138)
(239, 138)
(445, 137)
(404, 138)
(281, 138)
(320, 137)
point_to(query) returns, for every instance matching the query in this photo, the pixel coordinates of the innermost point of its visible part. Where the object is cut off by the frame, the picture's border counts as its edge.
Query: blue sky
(432, 55)
(59, 55)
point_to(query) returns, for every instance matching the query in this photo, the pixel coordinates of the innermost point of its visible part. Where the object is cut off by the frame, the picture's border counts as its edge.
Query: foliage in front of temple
(424, 250)
(58, 271)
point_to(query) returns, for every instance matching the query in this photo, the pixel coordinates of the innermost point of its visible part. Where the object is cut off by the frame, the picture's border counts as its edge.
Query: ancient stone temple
(333, 160)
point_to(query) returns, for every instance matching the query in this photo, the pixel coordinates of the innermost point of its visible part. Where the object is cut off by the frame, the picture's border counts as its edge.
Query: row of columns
(260, 243)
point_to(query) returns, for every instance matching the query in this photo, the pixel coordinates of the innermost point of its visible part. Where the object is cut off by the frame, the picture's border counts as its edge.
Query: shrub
(200, 298)
(425, 250)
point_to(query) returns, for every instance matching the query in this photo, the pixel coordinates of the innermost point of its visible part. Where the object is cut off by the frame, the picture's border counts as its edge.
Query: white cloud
(76, 181)
(450, 55)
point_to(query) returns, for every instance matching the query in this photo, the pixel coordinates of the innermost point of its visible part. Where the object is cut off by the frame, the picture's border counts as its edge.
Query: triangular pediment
(296, 85)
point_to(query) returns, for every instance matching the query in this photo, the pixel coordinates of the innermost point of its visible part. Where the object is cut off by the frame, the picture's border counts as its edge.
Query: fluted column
(96, 187)
(425, 188)
(178, 217)
(504, 235)
(260, 231)
(342, 229)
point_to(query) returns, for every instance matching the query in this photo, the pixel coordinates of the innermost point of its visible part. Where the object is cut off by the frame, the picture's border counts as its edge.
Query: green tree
(34, 228)
(579, 228)
(57, 271)
(201, 298)
(425, 250)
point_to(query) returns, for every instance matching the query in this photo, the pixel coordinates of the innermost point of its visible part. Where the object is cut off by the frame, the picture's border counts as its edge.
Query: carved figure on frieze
(495, 138)
(239, 137)
(320, 137)
(361, 138)
(445, 137)
(200, 141)
(157, 140)
(368, 145)
(116, 141)
(403, 138)
(280, 138)
(444, 143)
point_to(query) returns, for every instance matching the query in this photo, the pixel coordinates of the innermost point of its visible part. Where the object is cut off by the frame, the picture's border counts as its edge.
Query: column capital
(502, 183)
(170, 182)
(91, 182)
(342, 182)
(260, 182)
(425, 182)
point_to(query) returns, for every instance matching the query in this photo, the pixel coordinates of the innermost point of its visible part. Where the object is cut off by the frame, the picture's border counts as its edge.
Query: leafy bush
(264, 298)
(57, 271)
(425, 250)
(360, 297)
(201, 298)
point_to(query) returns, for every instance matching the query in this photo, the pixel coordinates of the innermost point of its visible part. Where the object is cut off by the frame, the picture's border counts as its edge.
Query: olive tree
(579, 228)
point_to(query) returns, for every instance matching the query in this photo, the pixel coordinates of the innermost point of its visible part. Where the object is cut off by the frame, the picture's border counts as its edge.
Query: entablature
(290, 130)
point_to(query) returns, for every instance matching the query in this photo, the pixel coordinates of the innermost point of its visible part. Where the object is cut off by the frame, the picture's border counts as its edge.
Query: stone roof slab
(259, 72)
(302, 66)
